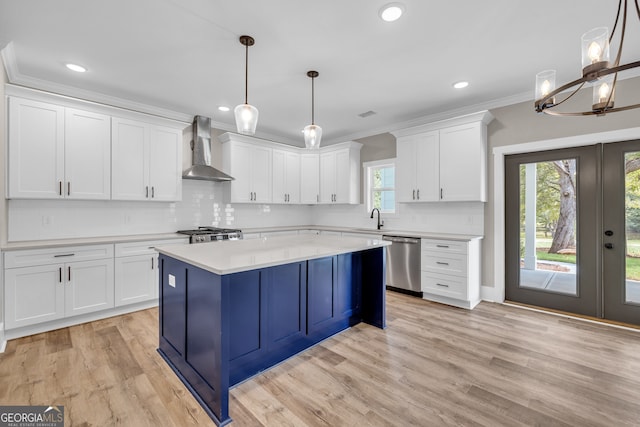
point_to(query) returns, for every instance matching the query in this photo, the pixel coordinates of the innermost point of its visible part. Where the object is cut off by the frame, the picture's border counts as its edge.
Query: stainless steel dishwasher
(403, 265)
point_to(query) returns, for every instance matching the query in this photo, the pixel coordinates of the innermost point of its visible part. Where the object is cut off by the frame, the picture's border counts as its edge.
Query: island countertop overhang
(243, 255)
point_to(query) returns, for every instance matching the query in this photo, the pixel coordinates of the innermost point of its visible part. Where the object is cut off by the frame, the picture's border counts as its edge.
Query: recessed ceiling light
(77, 68)
(391, 12)
(223, 108)
(460, 85)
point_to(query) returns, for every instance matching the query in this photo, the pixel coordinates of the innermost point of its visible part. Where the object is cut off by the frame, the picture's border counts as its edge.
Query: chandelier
(596, 69)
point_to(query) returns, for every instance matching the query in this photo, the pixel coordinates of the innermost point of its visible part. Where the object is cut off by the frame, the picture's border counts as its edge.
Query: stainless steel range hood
(201, 154)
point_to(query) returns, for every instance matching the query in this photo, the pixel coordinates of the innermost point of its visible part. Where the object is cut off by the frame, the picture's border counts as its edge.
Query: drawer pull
(60, 274)
(442, 263)
(442, 246)
(440, 284)
(63, 255)
(69, 272)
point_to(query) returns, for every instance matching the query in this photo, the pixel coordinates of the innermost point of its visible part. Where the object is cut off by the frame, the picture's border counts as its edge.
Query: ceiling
(184, 56)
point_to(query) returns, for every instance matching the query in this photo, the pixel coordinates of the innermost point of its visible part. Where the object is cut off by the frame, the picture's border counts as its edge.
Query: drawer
(444, 246)
(447, 286)
(445, 263)
(145, 247)
(32, 257)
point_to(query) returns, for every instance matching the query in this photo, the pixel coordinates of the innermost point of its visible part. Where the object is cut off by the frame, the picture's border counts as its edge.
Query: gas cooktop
(212, 234)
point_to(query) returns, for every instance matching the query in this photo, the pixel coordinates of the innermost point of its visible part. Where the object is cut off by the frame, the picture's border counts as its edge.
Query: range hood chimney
(201, 154)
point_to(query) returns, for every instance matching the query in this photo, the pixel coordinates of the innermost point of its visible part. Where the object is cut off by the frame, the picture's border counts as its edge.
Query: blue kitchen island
(229, 310)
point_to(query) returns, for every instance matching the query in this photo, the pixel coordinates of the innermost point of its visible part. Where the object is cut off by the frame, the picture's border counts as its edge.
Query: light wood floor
(434, 365)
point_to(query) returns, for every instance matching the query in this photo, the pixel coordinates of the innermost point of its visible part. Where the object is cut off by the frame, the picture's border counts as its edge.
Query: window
(381, 185)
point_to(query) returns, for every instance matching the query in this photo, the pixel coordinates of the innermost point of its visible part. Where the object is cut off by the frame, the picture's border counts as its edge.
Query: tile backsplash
(205, 203)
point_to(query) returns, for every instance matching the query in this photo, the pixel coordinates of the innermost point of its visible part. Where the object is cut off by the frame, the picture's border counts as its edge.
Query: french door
(573, 230)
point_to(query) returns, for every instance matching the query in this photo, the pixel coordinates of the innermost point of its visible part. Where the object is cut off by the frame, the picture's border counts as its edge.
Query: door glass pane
(548, 212)
(632, 227)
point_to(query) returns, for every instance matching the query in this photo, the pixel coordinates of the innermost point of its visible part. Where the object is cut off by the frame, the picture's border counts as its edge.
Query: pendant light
(312, 132)
(246, 115)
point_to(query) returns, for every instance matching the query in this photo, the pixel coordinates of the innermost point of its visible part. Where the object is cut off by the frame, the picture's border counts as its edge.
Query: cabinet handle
(441, 195)
(146, 191)
(418, 193)
(152, 263)
(62, 255)
(68, 188)
(153, 192)
(440, 284)
(414, 194)
(442, 263)
(69, 272)
(442, 246)
(60, 274)
(60, 188)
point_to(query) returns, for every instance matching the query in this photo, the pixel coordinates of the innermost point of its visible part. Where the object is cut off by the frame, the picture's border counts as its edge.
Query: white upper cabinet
(418, 168)
(463, 152)
(130, 147)
(286, 176)
(290, 175)
(309, 178)
(165, 165)
(62, 148)
(147, 161)
(340, 173)
(58, 152)
(36, 153)
(250, 163)
(87, 155)
(444, 161)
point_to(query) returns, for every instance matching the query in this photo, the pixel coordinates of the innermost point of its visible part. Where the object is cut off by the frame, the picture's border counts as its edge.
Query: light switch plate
(172, 280)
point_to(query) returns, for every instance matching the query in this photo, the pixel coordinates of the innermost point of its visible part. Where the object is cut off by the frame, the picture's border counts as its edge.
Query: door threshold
(583, 317)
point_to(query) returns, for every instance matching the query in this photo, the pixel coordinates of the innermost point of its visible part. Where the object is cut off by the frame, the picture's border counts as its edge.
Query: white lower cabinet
(450, 271)
(136, 271)
(48, 284)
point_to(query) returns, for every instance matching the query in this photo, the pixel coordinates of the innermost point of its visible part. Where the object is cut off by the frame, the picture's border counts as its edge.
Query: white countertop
(243, 255)
(373, 230)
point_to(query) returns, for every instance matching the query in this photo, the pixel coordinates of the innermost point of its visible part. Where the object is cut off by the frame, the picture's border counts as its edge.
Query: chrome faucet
(380, 224)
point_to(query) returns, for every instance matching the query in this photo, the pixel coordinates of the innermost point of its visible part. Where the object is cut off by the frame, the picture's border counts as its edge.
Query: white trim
(77, 320)
(367, 183)
(498, 185)
(3, 342)
(490, 294)
(480, 116)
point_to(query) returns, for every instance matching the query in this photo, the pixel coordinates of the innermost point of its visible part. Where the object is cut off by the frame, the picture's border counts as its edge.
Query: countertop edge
(83, 241)
(179, 254)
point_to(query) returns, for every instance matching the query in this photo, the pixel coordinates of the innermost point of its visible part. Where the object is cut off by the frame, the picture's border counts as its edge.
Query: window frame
(369, 167)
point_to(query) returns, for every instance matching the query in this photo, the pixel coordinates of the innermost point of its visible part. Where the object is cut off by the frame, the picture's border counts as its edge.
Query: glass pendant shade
(545, 84)
(312, 136)
(595, 50)
(602, 93)
(246, 119)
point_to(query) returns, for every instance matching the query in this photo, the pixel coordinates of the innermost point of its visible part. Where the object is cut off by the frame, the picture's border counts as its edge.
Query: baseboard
(76, 320)
(3, 342)
(491, 294)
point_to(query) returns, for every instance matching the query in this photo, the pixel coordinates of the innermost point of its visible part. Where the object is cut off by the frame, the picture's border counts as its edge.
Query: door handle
(608, 245)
